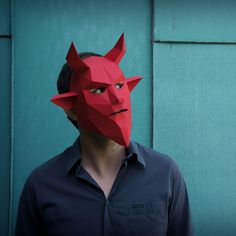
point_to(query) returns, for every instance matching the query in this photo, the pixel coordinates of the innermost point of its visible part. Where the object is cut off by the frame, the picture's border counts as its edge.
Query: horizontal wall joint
(5, 36)
(191, 42)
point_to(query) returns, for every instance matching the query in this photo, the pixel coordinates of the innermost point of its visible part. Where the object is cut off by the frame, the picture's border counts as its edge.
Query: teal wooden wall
(5, 120)
(184, 106)
(195, 104)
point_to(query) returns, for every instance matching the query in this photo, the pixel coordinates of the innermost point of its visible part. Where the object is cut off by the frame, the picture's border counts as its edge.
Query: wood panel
(5, 133)
(5, 17)
(194, 122)
(198, 21)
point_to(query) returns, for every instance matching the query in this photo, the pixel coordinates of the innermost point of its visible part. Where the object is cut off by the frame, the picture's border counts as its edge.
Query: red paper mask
(100, 94)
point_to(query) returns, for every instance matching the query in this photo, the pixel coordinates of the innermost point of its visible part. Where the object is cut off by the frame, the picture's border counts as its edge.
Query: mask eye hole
(97, 90)
(119, 85)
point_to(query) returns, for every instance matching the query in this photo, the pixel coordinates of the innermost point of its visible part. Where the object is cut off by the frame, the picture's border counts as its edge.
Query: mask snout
(114, 96)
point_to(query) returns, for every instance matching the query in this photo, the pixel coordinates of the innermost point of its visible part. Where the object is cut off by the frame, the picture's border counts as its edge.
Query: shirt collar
(134, 150)
(74, 155)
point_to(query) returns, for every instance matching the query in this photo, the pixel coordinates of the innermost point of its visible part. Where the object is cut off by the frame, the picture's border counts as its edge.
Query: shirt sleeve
(28, 220)
(179, 220)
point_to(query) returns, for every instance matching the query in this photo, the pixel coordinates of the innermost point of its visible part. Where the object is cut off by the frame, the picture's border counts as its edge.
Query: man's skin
(101, 157)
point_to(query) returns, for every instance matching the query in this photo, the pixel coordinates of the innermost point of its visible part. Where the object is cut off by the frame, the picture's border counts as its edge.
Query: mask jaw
(118, 51)
(132, 82)
(65, 100)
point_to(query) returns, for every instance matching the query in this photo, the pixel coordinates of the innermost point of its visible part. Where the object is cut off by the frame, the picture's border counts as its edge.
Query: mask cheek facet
(98, 102)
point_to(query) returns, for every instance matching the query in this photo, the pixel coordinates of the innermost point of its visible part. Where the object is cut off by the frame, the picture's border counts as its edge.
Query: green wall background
(5, 120)
(184, 106)
(194, 104)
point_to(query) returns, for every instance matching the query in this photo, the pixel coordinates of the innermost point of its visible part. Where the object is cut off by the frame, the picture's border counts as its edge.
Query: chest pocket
(147, 219)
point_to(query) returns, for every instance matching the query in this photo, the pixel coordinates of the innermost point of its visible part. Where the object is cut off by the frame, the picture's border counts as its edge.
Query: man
(103, 184)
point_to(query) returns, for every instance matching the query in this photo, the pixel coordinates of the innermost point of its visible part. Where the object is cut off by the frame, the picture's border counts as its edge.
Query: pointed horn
(74, 61)
(118, 51)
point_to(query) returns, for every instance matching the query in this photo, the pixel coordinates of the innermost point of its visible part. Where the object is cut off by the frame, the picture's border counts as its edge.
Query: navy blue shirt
(148, 198)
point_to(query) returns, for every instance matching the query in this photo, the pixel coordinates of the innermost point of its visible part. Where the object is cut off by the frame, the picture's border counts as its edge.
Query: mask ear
(118, 51)
(132, 82)
(65, 100)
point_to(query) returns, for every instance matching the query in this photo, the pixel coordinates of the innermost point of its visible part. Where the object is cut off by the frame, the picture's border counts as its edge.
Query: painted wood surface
(198, 21)
(5, 120)
(5, 133)
(194, 104)
(194, 122)
(5, 16)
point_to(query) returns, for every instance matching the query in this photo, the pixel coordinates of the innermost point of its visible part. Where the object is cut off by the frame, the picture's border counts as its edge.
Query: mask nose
(114, 96)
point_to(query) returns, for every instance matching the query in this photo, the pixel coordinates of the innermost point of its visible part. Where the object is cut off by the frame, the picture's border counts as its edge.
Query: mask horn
(74, 61)
(65, 100)
(132, 82)
(118, 51)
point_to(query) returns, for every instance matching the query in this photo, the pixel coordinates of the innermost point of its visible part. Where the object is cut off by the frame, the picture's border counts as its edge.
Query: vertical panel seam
(151, 73)
(11, 126)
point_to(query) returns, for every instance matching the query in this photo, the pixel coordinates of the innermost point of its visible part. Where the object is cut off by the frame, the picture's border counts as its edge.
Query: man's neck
(100, 155)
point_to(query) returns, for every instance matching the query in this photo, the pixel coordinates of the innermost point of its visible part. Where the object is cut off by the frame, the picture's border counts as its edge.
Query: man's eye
(97, 90)
(119, 85)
